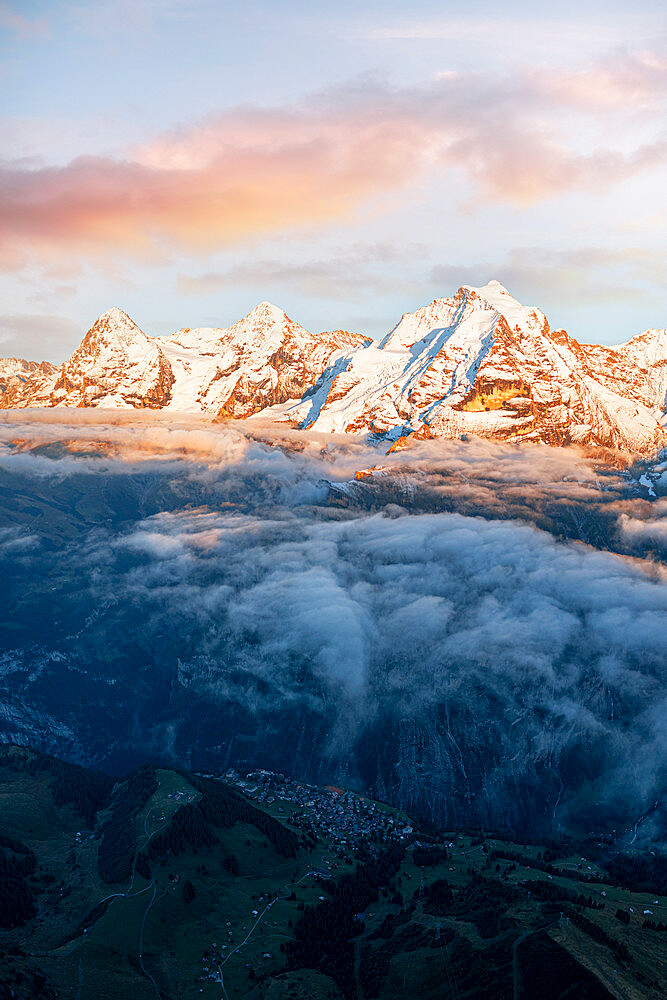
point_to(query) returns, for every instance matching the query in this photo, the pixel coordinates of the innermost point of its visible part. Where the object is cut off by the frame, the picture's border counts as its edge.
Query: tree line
(17, 902)
(86, 790)
(193, 825)
(323, 937)
(118, 835)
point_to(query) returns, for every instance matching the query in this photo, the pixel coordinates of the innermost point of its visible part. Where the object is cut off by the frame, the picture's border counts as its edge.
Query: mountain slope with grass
(170, 884)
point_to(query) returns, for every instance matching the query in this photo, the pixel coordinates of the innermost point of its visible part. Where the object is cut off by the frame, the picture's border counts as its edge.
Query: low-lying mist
(476, 632)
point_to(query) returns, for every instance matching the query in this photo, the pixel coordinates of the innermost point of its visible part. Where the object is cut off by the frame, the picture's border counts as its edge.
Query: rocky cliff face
(477, 363)
(262, 360)
(116, 365)
(482, 364)
(16, 372)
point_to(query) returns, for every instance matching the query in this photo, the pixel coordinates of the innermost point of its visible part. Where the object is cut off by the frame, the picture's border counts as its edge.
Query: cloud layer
(201, 595)
(249, 171)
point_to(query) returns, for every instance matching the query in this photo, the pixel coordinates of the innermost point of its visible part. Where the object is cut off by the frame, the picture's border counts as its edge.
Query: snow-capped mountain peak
(650, 345)
(15, 373)
(261, 360)
(115, 315)
(476, 363)
(114, 328)
(496, 293)
(266, 312)
(522, 320)
(415, 326)
(481, 363)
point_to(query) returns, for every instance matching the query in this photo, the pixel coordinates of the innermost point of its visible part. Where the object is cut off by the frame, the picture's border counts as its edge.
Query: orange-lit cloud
(624, 79)
(208, 187)
(247, 172)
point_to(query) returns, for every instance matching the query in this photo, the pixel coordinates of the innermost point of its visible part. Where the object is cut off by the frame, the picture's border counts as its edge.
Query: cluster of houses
(341, 817)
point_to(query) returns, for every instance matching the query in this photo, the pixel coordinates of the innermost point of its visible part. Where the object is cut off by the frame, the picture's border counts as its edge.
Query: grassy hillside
(172, 885)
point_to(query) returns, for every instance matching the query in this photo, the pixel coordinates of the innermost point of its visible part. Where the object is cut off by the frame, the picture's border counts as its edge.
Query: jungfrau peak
(478, 363)
(482, 364)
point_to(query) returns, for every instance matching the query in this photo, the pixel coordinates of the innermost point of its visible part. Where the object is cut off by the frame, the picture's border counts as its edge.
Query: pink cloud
(636, 80)
(247, 172)
(12, 20)
(206, 187)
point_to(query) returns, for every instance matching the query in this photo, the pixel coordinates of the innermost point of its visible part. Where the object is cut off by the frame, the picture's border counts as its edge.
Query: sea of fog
(474, 631)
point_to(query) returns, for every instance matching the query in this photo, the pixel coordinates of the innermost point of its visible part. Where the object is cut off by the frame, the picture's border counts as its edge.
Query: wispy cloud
(625, 78)
(248, 171)
(238, 174)
(13, 20)
(351, 275)
(588, 275)
(525, 32)
(585, 277)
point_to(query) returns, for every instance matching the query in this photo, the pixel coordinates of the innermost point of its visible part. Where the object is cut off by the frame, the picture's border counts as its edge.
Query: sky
(185, 159)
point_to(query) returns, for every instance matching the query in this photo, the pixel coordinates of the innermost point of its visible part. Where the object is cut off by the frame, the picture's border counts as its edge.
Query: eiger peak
(267, 310)
(477, 363)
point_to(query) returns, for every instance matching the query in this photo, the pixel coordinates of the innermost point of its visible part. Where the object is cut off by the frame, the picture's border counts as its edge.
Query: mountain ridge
(478, 363)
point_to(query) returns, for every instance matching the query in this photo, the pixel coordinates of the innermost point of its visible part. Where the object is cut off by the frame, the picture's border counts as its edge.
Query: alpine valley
(335, 669)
